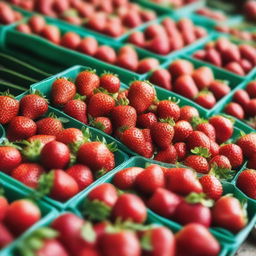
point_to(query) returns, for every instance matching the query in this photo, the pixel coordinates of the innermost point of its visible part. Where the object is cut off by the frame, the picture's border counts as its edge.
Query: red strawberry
(88, 45)
(147, 64)
(205, 127)
(203, 77)
(167, 155)
(251, 108)
(97, 21)
(106, 53)
(81, 174)
(77, 109)
(245, 182)
(70, 135)
(205, 99)
(181, 67)
(24, 28)
(37, 23)
(158, 44)
(168, 109)
(223, 128)
(9, 108)
(195, 239)
(247, 144)
(21, 128)
(130, 207)
(100, 104)
(86, 82)
(141, 95)
(214, 148)
(3, 207)
(131, 19)
(51, 33)
(181, 150)
(137, 38)
(102, 123)
(234, 109)
(235, 67)
(188, 112)
(164, 202)
(110, 82)
(97, 156)
(198, 163)
(251, 89)
(212, 56)
(248, 52)
(49, 126)
(33, 106)
(219, 89)
(28, 174)
(114, 27)
(211, 186)
(241, 97)
(55, 155)
(6, 237)
(125, 179)
(162, 78)
(70, 40)
(198, 139)
(228, 213)
(62, 91)
(7, 15)
(220, 161)
(182, 181)
(146, 120)
(182, 130)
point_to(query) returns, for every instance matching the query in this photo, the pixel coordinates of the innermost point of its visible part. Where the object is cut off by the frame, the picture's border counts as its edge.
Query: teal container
(2, 133)
(13, 193)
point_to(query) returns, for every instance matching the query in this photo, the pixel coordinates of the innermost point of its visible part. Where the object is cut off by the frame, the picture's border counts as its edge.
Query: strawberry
(28, 214)
(182, 130)
(125, 179)
(102, 123)
(106, 53)
(55, 155)
(228, 213)
(214, 148)
(219, 88)
(248, 52)
(70, 135)
(223, 128)
(220, 161)
(28, 174)
(9, 108)
(198, 139)
(81, 174)
(114, 27)
(205, 99)
(51, 33)
(250, 108)
(205, 127)
(181, 150)
(150, 179)
(235, 67)
(251, 89)
(110, 82)
(6, 237)
(21, 128)
(141, 95)
(88, 45)
(245, 182)
(131, 19)
(86, 82)
(198, 163)
(162, 133)
(147, 64)
(33, 105)
(194, 209)
(185, 86)
(146, 120)
(182, 181)
(97, 156)
(97, 21)
(164, 202)
(3, 206)
(211, 186)
(241, 97)
(37, 23)
(49, 125)
(77, 109)
(100, 104)
(167, 155)
(7, 15)
(162, 78)
(203, 77)
(159, 44)
(70, 40)
(62, 91)
(130, 207)
(181, 67)
(168, 109)
(195, 239)
(252, 162)
(188, 112)
(212, 56)
(24, 28)
(234, 109)
(137, 38)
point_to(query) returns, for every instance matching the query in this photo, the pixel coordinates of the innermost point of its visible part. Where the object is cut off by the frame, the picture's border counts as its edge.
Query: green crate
(120, 158)
(14, 193)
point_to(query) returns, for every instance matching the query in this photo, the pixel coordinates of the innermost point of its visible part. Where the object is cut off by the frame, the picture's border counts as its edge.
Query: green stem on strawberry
(201, 151)
(221, 173)
(32, 150)
(194, 198)
(88, 233)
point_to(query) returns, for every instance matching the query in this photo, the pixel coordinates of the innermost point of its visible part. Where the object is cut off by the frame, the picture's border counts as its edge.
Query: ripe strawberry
(203, 77)
(198, 163)
(223, 128)
(182, 130)
(70, 40)
(130, 207)
(70, 135)
(33, 106)
(37, 23)
(137, 38)
(86, 82)
(188, 112)
(168, 109)
(162, 133)
(81, 174)
(205, 99)
(181, 67)
(235, 67)
(106, 53)
(62, 91)
(55, 155)
(141, 95)
(131, 19)
(20, 128)
(234, 109)
(228, 213)
(147, 64)
(51, 33)
(185, 86)
(100, 104)
(24, 28)
(49, 125)
(7, 14)
(125, 179)
(241, 97)
(9, 108)
(114, 27)
(198, 139)
(181, 150)
(211, 186)
(97, 21)
(248, 52)
(212, 56)
(251, 89)
(214, 148)
(77, 109)
(247, 144)
(6, 237)
(102, 123)
(219, 89)
(164, 202)
(97, 156)
(110, 82)
(28, 174)
(162, 78)
(182, 181)
(159, 44)
(167, 155)
(245, 182)
(205, 127)
(88, 45)
(250, 108)
(3, 207)
(220, 161)
(195, 239)
(28, 214)
(146, 120)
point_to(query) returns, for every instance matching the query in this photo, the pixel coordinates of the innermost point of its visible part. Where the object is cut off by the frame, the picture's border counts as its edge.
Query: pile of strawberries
(110, 17)
(178, 194)
(126, 57)
(56, 161)
(15, 218)
(174, 3)
(239, 59)
(8, 15)
(212, 14)
(243, 104)
(198, 84)
(168, 36)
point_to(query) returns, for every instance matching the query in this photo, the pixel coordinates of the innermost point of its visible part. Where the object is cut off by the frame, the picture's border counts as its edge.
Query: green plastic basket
(14, 193)
(2, 133)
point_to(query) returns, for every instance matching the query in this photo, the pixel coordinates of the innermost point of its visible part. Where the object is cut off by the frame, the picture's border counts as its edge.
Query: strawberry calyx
(7, 94)
(61, 119)
(70, 13)
(7, 143)
(122, 102)
(195, 121)
(221, 173)
(100, 173)
(38, 93)
(32, 150)
(111, 146)
(201, 151)
(223, 81)
(168, 120)
(96, 210)
(80, 97)
(90, 70)
(88, 233)
(105, 72)
(195, 198)
(145, 242)
(230, 118)
(35, 241)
